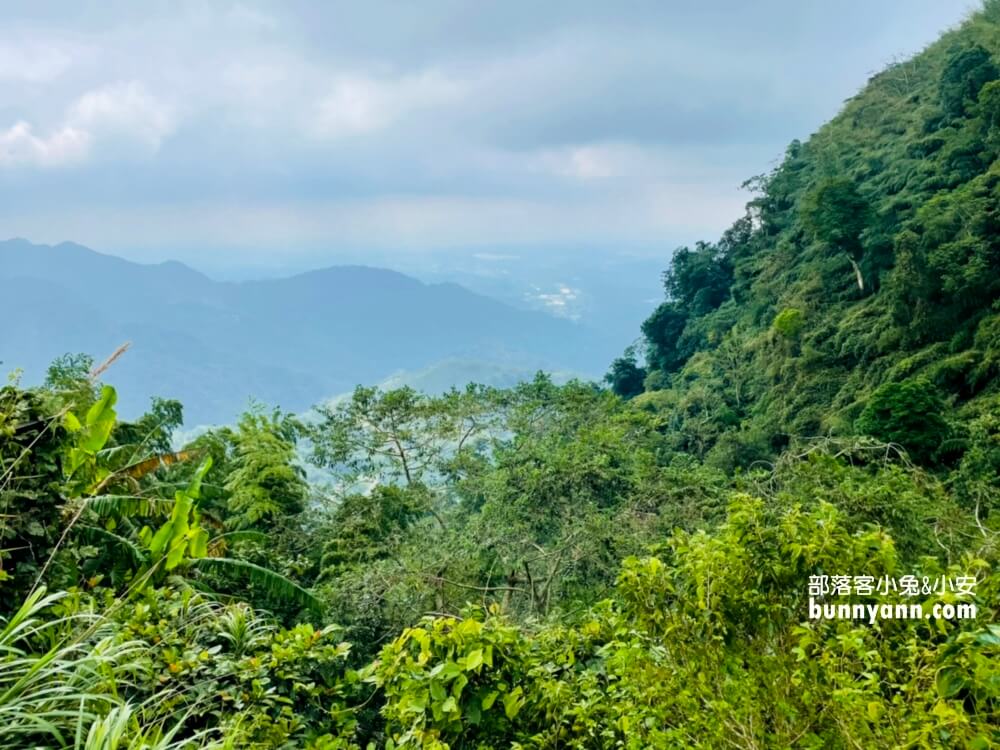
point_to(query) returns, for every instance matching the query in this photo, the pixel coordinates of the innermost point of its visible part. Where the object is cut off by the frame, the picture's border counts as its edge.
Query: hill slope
(859, 293)
(289, 341)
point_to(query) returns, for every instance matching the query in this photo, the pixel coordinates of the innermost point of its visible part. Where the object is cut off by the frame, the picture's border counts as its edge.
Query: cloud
(597, 161)
(563, 300)
(118, 116)
(34, 61)
(20, 145)
(360, 103)
(293, 127)
(124, 110)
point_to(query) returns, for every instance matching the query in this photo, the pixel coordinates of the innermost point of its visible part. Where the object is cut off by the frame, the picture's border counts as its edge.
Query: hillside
(868, 259)
(290, 341)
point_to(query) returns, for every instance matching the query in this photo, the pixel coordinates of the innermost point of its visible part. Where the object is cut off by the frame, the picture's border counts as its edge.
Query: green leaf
(949, 682)
(194, 488)
(474, 659)
(109, 541)
(989, 637)
(273, 583)
(438, 692)
(175, 554)
(159, 541)
(100, 421)
(199, 543)
(459, 685)
(129, 506)
(489, 699)
(512, 702)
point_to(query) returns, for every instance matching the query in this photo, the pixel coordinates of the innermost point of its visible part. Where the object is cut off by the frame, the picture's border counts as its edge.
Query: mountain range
(287, 341)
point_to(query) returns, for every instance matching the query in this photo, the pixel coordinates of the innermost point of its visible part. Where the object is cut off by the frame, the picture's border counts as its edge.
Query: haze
(248, 137)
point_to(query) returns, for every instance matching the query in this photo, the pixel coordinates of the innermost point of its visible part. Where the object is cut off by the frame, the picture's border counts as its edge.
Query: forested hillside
(572, 566)
(864, 276)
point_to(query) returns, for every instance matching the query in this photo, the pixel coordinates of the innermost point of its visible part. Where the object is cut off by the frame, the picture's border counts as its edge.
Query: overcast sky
(260, 131)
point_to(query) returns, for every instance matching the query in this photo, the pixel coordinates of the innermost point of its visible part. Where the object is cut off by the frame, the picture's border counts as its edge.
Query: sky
(283, 133)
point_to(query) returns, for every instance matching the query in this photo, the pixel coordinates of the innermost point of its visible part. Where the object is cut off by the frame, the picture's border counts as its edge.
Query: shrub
(908, 413)
(789, 322)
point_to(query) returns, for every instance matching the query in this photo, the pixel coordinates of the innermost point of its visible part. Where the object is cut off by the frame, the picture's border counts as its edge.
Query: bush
(789, 322)
(964, 76)
(626, 376)
(908, 413)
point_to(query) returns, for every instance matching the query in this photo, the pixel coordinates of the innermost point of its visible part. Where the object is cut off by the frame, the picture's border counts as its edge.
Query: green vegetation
(908, 413)
(570, 566)
(868, 257)
(535, 567)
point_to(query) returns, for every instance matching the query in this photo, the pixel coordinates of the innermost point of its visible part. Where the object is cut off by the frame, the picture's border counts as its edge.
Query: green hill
(869, 258)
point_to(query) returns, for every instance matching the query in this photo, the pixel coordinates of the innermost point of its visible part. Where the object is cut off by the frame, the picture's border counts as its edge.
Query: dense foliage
(569, 566)
(868, 259)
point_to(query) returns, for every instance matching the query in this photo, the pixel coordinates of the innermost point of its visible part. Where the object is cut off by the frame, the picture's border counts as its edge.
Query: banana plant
(84, 472)
(180, 544)
(181, 537)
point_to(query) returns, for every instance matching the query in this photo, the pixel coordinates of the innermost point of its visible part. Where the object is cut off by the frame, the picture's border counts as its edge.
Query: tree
(977, 481)
(68, 380)
(626, 376)
(699, 279)
(662, 331)
(966, 71)
(545, 530)
(379, 434)
(153, 431)
(32, 443)
(789, 322)
(836, 213)
(404, 436)
(173, 539)
(910, 289)
(368, 527)
(265, 484)
(909, 413)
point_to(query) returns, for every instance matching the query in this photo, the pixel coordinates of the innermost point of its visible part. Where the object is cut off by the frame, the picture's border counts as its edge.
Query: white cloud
(124, 110)
(20, 145)
(359, 103)
(121, 116)
(564, 301)
(389, 126)
(596, 161)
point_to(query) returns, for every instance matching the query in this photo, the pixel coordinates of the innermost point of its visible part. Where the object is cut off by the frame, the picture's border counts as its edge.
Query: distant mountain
(289, 341)
(610, 292)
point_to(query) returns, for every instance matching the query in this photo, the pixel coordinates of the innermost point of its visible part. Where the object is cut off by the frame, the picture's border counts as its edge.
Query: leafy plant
(909, 413)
